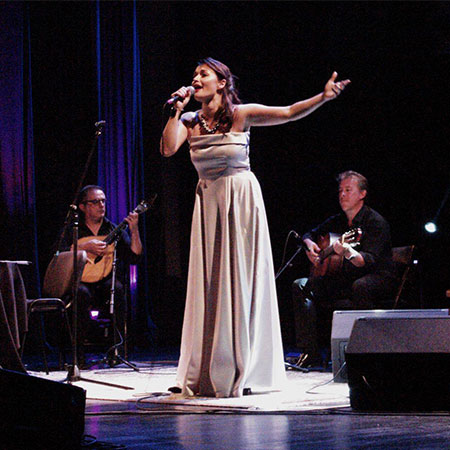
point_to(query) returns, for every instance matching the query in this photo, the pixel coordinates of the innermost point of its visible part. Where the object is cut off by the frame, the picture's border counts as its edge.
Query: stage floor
(311, 412)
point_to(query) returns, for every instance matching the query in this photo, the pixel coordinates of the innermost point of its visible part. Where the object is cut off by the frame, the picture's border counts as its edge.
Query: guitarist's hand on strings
(348, 252)
(339, 248)
(312, 251)
(133, 224)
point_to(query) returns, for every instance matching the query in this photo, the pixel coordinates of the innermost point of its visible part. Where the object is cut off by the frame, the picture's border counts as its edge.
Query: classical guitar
(99, 267)
(330, 262)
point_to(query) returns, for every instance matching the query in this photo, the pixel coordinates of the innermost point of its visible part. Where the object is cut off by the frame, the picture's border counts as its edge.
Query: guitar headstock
(352, 237)
(145, 205)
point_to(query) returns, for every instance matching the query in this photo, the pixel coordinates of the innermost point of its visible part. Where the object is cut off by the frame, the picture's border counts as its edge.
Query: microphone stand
(299, 249)
(115, 359)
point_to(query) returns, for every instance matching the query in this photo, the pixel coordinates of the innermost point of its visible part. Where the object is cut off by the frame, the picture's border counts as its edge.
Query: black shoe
(247, 391)
(175, 390)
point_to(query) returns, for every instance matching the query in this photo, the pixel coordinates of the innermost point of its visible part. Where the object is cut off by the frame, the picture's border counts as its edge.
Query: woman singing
(231, 341)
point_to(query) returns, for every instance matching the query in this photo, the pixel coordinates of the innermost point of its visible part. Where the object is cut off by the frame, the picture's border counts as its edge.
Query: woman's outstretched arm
(261, 115)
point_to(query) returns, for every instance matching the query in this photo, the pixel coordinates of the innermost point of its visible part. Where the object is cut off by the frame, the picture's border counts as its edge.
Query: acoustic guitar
(99, 267)
(330, 262)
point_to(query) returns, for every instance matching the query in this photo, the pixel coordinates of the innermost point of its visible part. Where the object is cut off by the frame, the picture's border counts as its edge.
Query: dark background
(391, 124)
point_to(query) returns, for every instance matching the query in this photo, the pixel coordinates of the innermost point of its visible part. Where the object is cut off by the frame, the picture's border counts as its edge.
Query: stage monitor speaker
(343, 323)
(399, 364)
(40, 414)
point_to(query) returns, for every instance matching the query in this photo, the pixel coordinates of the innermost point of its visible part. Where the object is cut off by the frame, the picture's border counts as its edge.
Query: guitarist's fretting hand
(132, 219)
(312, 251)
(133, 224)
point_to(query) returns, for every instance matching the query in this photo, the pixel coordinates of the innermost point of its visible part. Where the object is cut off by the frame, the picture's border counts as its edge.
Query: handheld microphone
(177, 98)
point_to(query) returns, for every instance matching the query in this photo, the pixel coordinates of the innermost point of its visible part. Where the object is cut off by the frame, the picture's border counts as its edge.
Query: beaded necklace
(205, 126)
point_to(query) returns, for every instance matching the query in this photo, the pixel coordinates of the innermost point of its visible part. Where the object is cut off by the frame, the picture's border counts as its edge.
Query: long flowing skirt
(231, 336)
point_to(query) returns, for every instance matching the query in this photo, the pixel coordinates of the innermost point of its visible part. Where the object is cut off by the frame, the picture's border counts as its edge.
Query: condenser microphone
(177, 98)
(296, 236)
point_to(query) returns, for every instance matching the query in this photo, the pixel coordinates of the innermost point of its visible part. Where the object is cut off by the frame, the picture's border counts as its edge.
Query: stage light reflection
(133, 277)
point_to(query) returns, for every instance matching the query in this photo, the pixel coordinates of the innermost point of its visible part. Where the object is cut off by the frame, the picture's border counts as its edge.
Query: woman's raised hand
(184, 93)
(333, 88)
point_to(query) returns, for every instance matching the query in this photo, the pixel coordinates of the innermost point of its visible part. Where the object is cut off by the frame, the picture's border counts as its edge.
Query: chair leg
(41, 340)
(63, 323)
(69, 330)
(22, 345)
(42, 343)
(62, 353)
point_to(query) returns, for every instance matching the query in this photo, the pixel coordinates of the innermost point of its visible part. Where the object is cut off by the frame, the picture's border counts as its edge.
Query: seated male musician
(94, 292)
(359, 268)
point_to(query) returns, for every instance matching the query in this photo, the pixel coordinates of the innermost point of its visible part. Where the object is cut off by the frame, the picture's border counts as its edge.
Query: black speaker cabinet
(342, 327)
(399, 364)
(40, 414)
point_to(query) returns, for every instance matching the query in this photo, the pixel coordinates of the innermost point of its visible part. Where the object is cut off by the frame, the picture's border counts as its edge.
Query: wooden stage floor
(314, 414)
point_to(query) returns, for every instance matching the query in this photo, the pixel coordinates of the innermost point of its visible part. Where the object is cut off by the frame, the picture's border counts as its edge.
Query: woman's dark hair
(230, 95)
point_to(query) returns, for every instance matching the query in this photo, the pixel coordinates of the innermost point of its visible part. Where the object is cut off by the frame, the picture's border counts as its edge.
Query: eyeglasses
(96, 201)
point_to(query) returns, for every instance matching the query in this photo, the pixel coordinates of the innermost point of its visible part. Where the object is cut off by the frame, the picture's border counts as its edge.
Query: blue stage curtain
(17, 179)
(120, 148)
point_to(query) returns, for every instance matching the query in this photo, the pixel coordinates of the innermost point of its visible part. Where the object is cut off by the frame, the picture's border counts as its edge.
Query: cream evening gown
(231, 336)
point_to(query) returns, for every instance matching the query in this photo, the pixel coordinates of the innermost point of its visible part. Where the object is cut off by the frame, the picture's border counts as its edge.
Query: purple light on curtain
(11, 106)
(120, 146)
(17, 193)
(120, 150)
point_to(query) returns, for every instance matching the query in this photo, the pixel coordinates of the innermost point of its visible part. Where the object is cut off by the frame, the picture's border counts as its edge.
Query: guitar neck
(142, 207)
(114, 233)
(351, 237)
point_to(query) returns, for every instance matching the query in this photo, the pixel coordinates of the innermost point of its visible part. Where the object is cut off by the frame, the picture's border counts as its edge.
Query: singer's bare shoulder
(189, 119)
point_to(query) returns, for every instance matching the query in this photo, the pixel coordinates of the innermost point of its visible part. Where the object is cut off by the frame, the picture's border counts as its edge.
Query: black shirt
(375, 244)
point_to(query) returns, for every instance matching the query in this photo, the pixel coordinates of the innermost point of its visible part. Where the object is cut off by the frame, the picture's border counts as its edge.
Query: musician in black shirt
(364, 274)
(94, 292)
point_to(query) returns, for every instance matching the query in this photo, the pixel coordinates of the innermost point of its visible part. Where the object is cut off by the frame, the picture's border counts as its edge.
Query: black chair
(57, 291)
(304, 311)
(403, 259)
